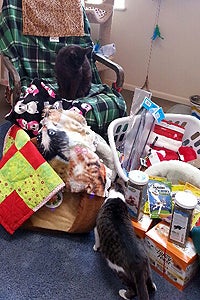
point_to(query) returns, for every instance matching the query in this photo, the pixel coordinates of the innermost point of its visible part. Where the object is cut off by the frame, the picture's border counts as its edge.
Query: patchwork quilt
(27, 181)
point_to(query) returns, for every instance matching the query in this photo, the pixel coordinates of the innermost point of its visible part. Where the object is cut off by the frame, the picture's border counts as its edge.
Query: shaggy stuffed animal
(81, 157)
(77, 132)
(175, 171)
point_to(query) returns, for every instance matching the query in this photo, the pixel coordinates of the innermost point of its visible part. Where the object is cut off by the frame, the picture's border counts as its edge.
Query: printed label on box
(159, 196)
(177, 264)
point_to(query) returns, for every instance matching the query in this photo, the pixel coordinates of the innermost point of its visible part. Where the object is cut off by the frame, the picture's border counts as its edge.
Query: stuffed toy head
(52, 142)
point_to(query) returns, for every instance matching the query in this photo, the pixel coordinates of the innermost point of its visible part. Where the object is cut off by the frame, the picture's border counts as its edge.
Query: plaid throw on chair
(34, 57)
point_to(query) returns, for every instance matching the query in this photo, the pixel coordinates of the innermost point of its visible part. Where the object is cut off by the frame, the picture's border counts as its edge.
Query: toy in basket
(118, 128)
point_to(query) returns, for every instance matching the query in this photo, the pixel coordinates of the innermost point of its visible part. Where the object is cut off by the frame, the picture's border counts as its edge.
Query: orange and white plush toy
(79, 156)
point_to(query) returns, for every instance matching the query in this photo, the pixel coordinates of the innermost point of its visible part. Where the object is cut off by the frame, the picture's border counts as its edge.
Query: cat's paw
(154, 287)
(122, 294)
(95, 248)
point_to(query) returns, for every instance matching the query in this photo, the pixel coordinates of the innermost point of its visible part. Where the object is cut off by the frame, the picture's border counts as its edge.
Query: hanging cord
(146, 83)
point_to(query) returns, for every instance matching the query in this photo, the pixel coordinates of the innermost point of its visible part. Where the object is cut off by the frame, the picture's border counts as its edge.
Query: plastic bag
(144, 113)
(140, 127)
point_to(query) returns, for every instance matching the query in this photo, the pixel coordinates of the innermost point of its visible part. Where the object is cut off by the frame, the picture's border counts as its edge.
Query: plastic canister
(184, 204)
(136, 193)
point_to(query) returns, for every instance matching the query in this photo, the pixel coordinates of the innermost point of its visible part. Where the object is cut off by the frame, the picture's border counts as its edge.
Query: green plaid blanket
(34, 57)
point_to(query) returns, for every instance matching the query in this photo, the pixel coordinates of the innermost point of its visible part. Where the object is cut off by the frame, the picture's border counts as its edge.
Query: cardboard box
(178, 265)
(142, 226)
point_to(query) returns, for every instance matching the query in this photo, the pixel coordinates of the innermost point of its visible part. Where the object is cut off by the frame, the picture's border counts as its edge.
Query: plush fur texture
(104, 152)
(69, 145)
(73, 72)
(175, 171)
(52, 142)
(124, 252)
(63, 129)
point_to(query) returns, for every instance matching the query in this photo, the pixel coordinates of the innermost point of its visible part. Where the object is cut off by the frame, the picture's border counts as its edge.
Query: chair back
(34, 56)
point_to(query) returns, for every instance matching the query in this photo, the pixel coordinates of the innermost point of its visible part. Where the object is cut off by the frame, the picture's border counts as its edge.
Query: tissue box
(178, 265)
(142, 225)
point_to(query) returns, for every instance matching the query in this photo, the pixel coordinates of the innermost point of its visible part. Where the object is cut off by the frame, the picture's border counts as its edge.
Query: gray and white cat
(123, 250)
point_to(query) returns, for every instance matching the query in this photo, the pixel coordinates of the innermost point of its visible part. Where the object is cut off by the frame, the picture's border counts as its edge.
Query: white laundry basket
(117, 131)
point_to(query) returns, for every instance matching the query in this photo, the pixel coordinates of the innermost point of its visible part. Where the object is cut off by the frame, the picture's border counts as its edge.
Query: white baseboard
(173, 98)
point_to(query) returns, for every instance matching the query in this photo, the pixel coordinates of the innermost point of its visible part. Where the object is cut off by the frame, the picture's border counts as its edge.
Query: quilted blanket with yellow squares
(27, 181)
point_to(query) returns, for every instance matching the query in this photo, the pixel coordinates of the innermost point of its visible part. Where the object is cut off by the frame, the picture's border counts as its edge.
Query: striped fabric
(34, 57)
(168, 135)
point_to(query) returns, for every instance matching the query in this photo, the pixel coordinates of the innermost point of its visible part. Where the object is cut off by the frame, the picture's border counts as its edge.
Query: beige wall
(175, 63)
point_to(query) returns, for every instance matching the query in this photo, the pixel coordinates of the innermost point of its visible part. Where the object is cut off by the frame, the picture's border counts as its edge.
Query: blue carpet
(60, 266)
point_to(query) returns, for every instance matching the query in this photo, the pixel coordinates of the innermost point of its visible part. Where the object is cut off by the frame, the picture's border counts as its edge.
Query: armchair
(27, 57)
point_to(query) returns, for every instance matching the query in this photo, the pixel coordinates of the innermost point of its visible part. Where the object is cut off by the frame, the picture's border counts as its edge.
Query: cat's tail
(144, 286)
(141, 286)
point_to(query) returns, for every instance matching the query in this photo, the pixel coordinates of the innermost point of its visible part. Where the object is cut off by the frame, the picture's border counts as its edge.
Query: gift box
(142, 226)
(176, 264)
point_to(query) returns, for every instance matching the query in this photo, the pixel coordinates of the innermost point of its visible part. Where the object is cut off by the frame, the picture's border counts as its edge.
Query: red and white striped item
(169, 135)
(158, 154)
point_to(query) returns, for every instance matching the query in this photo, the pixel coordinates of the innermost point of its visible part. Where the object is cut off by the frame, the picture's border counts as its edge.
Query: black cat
(124, 252)
(178, 227)
(73, 72)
